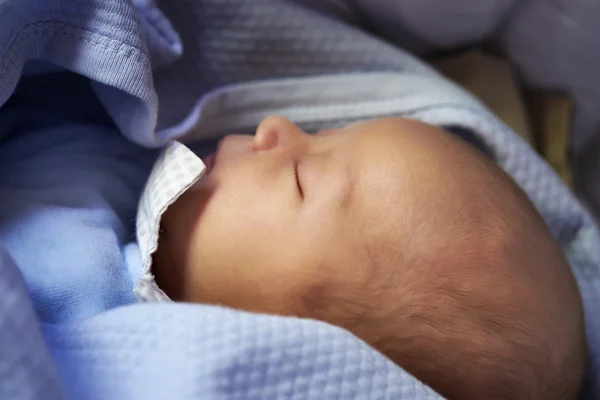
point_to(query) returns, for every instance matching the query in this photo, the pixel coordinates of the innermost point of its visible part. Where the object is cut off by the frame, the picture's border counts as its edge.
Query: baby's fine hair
(485, 308)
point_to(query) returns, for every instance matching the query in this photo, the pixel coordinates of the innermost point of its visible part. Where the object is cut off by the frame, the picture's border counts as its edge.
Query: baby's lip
(209, 161)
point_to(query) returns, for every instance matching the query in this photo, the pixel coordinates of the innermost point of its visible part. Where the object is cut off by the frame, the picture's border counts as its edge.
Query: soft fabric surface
(176, 171)
(68, 194)
(553, 43)
(69, 184)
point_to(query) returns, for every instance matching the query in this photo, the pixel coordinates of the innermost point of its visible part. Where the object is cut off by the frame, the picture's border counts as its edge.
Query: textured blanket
(76, 150)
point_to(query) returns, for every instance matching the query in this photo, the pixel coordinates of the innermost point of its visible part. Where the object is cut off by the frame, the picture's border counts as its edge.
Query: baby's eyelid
(297, 176)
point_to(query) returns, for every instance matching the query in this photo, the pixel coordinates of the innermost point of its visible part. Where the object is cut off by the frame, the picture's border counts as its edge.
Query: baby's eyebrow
(348, 186)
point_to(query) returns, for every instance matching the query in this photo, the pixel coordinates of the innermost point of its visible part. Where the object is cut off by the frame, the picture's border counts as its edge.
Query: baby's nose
(276, 131)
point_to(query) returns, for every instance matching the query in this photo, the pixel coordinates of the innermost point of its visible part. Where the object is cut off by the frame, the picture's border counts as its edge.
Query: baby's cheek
(246, 251)
(246, 278)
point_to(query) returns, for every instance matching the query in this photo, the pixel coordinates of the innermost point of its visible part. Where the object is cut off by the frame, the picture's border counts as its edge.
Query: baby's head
(396, 231)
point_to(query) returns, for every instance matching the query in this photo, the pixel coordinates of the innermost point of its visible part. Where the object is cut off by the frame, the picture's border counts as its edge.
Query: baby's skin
(396, 231)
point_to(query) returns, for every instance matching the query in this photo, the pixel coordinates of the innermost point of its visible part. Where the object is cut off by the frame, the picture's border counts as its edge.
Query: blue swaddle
(71, 168)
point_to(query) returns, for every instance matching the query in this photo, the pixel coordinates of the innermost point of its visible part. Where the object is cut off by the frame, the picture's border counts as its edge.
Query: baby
(396, 231)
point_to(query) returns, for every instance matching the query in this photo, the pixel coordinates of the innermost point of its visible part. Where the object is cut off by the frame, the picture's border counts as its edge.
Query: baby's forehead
(383, 153)
(407, 169)
(396, 141)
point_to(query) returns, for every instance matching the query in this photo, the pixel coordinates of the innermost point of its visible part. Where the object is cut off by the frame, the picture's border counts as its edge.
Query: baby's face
(282, 215)
(392, 229)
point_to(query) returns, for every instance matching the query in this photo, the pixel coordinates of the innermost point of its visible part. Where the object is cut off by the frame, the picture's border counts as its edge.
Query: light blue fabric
(552, 44)
(68, 184)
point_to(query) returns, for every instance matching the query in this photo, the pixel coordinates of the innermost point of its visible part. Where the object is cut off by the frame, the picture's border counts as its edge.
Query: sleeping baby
(398, 231)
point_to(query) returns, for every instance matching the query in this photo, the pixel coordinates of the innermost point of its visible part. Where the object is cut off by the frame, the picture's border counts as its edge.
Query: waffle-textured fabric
(552, 43)
(226, 65)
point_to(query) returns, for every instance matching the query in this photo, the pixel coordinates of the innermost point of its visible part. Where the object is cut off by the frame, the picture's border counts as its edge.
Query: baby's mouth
(209, 162)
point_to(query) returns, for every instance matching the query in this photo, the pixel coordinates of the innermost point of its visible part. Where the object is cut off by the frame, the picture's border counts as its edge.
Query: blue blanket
(76, 145)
